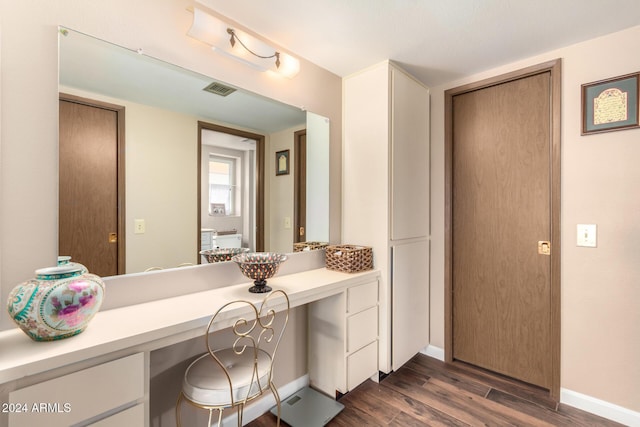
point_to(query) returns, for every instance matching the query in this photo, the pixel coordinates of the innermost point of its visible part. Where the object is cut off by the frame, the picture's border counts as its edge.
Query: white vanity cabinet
(109, 394)
(102, 376)
(343, 339)
(385, 198)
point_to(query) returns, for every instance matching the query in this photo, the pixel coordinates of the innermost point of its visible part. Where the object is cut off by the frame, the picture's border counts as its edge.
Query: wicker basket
(309, 246)
(349, 258)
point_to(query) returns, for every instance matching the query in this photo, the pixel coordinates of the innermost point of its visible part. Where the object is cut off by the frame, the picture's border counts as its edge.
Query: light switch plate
(586, 235)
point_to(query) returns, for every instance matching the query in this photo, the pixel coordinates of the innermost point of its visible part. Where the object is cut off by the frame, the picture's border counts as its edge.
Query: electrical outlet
(138, 226)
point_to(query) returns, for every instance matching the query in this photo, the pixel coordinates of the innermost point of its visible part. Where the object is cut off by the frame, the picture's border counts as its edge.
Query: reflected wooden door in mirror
(91, 184)
(300, 187)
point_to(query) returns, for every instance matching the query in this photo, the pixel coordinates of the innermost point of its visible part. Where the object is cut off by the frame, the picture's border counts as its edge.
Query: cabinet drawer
(362, 296)
(362, 365)
(81, 395)
(362, 328)
(129, 417)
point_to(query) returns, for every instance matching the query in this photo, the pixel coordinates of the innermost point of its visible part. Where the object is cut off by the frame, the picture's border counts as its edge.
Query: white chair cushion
(205, 383)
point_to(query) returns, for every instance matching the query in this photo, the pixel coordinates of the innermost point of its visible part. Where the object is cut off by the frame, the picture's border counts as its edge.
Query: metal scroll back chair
(231, 376)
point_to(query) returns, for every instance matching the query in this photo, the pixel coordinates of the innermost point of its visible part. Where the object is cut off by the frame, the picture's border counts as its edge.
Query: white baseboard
(600, 407)
(433, 351)
(266, 402)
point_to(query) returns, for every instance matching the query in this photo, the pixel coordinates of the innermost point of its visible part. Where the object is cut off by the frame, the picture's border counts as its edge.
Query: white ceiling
(435, 40)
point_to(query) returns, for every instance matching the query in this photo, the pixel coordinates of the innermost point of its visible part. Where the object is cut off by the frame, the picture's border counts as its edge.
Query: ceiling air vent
(219, 89)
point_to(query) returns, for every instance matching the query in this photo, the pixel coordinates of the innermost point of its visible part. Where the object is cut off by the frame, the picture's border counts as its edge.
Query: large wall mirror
(167, 142)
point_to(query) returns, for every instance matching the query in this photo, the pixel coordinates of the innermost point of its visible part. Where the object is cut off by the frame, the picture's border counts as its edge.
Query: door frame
(121, 199)
(260, 178)
(299, 190)
(554, 68)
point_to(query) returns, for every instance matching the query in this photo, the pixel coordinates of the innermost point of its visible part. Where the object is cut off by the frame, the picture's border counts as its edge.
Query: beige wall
(160, 182)
(29, 51)
(160, 188)
(600, 181)
(280, 191)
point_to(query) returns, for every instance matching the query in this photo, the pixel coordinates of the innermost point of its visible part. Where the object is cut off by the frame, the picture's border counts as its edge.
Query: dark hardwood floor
(428, 392)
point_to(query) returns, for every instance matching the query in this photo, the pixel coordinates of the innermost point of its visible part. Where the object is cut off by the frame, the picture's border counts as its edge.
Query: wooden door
(90, 226)
(503, 176)
(300, 187)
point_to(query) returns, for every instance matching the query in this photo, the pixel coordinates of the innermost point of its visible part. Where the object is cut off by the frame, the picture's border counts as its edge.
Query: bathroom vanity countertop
(151, 325)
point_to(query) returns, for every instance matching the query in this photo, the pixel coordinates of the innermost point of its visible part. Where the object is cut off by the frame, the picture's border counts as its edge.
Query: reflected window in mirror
(225, 193)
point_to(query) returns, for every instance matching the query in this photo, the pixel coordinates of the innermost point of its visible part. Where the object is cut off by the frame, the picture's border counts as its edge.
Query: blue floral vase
(58, 303)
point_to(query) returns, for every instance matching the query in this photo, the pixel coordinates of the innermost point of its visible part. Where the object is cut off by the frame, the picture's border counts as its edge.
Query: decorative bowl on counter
(259, 266)
(222, 254)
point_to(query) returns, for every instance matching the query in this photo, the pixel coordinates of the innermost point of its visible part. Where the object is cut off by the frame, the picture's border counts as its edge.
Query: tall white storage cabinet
(386, 199)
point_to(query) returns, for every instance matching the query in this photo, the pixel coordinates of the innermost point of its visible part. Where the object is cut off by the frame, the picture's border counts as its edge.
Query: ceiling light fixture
(248, 49)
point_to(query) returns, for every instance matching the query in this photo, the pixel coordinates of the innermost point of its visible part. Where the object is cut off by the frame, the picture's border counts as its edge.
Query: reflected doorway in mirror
(243, 207)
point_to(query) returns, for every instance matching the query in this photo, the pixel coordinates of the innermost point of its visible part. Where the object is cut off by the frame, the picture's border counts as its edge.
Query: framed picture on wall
(610, 104)
(282, 162)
